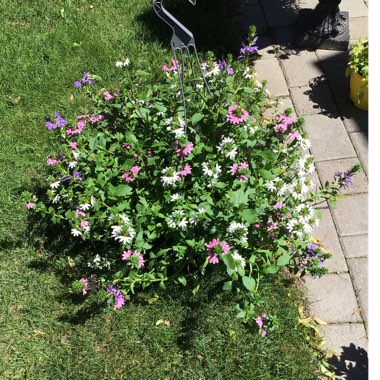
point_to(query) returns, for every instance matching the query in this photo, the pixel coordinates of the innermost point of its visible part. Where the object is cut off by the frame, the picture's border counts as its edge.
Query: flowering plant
(225, 190)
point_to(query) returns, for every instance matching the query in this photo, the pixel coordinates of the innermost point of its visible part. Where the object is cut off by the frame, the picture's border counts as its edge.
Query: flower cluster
(232, 191)
(55, 122)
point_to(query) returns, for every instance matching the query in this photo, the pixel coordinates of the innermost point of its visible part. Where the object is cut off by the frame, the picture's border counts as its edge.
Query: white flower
(170, 179)
(72, 164)
(201, 211)
(172, 223)
(55, 185)
(76, 154)
(214, 71)
(250, 130)
(99, 262)
(247, 73)
(304, 143)
(56, 198)
(179, 132)
(199, 86)
(284, 188)
(76, 232)
(84, 206)
(123, 234)
(183, 223)
(270, 186)
(123, 64)
(175, 197)
(238, 259)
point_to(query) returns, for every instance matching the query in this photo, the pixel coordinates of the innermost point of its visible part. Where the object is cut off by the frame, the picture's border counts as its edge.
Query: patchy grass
(46, 333)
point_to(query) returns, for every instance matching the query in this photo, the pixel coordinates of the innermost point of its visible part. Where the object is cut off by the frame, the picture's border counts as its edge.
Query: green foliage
(358, 62)
(177, 197)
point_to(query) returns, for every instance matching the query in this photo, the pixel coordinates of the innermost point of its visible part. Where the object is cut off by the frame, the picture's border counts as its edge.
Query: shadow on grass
(352, 363)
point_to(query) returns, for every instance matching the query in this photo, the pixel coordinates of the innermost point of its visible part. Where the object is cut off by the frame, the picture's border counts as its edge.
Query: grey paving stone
(307, 4)
(356, 8)
(324, 132)
(359, 274)
(332, 298)
(331, 55)
(351, 215)
(354, 119)
(335, 72)
(349, 341)
(327, 169)
(270, 70)
(301, 68)
(360, 141)
(279, 12)
(279, 106)
(326, 234)
(355, 246)
(313, 99)
(358, 28)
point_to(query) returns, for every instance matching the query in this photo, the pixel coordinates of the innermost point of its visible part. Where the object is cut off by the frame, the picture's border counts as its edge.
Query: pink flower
(84, 224)
(264, 332)
(149, 153)
(128, 178)
(81, 124)
(126, 254)
(236, 114)
(30, 205)
(279, 205)
(183, 152)
(73, 145)
(52, 161)
(243, 178)
(79, 212)
(271, 226)
(225, 248)
(293, 135)
(244, 165)
(107, 95)
(259, 322)
(84, 281)
(127, 146)
(234, 169)
(186, 170)
(257, 225)
(95, 119)
(135, 170)
(213, 259)
(210, 245)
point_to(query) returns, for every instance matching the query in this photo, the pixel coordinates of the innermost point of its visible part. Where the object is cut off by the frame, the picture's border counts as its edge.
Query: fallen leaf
(164, 322)
(200, 357)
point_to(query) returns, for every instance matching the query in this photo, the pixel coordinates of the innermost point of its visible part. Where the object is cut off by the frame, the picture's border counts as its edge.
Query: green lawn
(45, 333)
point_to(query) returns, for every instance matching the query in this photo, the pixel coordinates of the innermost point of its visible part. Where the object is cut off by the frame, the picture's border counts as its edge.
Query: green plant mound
(177, 196)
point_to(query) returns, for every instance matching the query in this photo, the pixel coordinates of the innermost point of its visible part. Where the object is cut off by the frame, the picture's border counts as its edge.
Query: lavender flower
(344, 178)
(55, 122)
(86, 78)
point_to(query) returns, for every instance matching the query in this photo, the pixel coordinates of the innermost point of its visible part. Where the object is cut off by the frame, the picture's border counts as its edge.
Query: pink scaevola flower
(259, 322)
(30, 205)
(271, 226)
(84, 281)
(293, 135)
(79, 212)
(73, 145)
(186, 170)
(107, 96)
(236, 114)
(279, 205)
(135, 170)
(213, 259)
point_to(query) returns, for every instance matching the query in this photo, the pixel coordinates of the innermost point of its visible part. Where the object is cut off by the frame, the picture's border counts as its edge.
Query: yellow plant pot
(357, 87)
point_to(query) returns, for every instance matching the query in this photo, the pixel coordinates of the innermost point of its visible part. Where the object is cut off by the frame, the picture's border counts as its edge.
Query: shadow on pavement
(352, 363)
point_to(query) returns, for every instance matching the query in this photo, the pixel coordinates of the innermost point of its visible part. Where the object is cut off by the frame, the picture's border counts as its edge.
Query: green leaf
(266, 174)
(182, 280)
(249, 215)
(227, 285)
(284, 259)
(120, 191)
(268, 155)
(271, 269)
(197, 117)
(238, 197)
(249, 283)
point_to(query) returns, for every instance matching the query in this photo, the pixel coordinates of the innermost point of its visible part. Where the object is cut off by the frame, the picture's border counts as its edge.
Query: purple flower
(344, 178)
(230, 71)
(85, 79)
(222, 65)
(55, 122)
(77, 175)
(119, 299)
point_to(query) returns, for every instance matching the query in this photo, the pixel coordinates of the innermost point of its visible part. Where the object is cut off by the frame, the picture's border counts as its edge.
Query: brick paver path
(314, 84)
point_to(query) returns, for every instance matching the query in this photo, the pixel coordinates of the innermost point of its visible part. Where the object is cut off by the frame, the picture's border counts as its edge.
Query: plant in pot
(357, 70)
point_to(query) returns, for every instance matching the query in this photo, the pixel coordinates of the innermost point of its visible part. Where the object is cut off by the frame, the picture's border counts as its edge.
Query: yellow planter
(356, 87)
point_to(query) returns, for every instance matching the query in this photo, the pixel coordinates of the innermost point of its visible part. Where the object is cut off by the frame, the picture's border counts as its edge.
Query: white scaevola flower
(55, 185)
(72, 164)
(75, 232)
(239, 259)
(84, 206)
(171, 178)
(123, 63)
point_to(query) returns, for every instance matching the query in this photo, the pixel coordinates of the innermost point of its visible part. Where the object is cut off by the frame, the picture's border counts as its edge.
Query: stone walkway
(314, 84)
